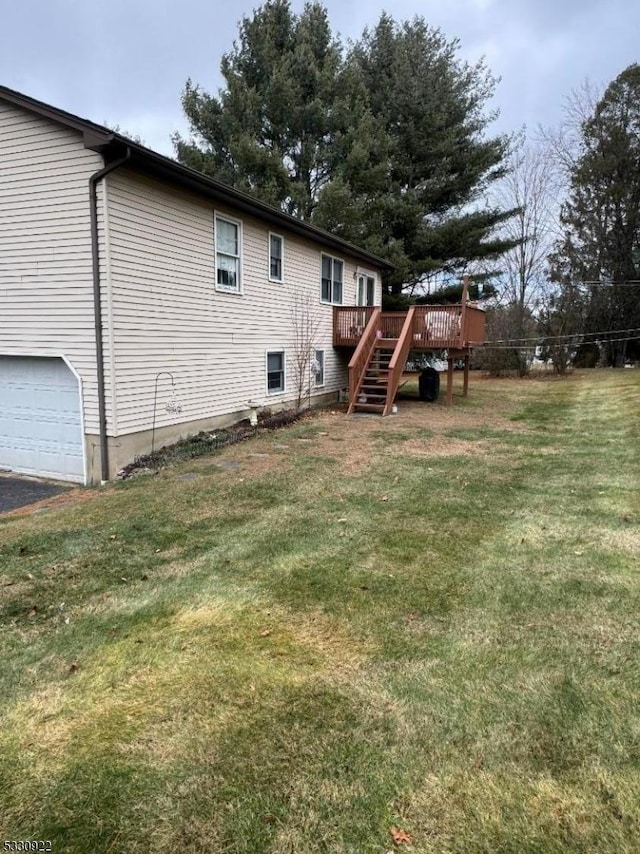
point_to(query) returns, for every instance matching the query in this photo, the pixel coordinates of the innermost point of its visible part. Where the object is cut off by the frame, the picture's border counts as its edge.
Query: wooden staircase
(376, 368)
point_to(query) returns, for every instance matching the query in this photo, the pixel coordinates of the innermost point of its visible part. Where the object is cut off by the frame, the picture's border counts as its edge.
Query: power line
(541, 343)
(628, 283)
(513, 341)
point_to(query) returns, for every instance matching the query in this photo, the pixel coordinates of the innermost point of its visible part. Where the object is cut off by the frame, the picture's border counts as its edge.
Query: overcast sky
(125, 62)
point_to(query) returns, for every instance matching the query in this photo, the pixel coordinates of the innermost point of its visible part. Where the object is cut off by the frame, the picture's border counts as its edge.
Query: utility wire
(513, 341)
(541, 343)
(628, 283)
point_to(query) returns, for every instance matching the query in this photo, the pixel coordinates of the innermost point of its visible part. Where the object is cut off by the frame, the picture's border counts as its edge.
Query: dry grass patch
(442, 446)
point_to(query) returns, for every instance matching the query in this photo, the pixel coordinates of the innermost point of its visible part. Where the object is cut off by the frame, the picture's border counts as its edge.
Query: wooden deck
(434, 327)
(383, 341)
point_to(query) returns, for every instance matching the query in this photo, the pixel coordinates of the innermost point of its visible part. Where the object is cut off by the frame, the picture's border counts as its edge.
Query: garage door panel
(40, 419)
(47, 420)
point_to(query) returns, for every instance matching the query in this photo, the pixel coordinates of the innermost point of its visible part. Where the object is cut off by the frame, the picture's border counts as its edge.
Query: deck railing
(350, 323)
(399, 358)
(391, 323)
(475, 321)
(435, 327)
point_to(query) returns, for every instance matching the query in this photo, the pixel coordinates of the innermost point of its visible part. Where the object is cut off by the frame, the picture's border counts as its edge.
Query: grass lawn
(428, 622)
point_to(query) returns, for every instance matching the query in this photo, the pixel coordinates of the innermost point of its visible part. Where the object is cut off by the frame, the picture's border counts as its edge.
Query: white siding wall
(167, 315)
(46, 303)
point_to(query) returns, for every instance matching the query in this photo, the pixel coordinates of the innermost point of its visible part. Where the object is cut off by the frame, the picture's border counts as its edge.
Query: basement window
(317, 367)
(275, 372)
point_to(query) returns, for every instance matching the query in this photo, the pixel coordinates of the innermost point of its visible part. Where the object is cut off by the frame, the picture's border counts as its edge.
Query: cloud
(127, 62)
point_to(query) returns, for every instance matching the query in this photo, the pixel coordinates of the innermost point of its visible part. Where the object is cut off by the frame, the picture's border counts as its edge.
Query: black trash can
(429, 385)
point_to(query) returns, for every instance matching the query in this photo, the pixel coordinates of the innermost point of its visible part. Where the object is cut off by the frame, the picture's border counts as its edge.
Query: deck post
(465, 385)
(449, 398)
(463, 337)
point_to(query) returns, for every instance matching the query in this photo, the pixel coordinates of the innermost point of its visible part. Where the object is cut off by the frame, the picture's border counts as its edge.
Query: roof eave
(111, 145)
(156, 165)
(95, 136)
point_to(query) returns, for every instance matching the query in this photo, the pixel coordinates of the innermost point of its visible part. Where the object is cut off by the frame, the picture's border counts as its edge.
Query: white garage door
(40, 423)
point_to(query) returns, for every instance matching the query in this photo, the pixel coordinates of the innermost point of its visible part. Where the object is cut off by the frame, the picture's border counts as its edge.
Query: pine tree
(383, 144)
(416, 202)
(270, 131)
(601, 219)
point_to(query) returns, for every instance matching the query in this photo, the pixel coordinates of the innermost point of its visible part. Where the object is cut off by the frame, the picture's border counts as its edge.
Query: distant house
(123, 273)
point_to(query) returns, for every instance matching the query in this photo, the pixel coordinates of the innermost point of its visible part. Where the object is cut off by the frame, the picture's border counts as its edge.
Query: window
(366, 290)
(228, 239)
(276, 252)
(332, 272)
(317, 367)
(275, 372)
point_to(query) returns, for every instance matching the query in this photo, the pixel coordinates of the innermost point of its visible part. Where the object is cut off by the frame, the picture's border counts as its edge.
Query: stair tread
(375, 379)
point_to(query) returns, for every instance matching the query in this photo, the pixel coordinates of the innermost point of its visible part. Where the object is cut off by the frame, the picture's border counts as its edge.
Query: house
(136, 293)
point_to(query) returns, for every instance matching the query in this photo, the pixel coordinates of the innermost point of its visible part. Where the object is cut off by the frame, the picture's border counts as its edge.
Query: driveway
(21, 491)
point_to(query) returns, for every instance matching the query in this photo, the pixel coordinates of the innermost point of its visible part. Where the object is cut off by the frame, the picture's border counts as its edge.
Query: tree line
(571, 286)
(386, 141)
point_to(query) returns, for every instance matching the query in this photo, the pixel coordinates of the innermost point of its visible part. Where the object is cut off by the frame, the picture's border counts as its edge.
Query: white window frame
(324, 368)
(333, 258)
(279, 281)
(217, 215)
(366, 274)
(274, 392)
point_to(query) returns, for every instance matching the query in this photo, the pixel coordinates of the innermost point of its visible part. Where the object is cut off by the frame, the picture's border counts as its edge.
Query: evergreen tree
(270, 131)
(601, 219)
(417, 162)
(383, 144)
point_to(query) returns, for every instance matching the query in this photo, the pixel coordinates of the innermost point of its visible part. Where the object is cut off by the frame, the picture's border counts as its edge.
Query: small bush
(587, 356)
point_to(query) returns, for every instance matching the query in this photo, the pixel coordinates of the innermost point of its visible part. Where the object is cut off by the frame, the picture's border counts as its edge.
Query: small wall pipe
(94, 180)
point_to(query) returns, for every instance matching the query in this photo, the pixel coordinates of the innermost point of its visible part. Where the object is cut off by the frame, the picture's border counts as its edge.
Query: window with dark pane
(227, 239)
(275, 372)
(338, 269)
(275, 257)
(332, 276)
(327, 276)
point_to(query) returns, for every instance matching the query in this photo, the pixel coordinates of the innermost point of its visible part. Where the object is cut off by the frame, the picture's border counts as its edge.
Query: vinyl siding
(46, 303)
(168, 316)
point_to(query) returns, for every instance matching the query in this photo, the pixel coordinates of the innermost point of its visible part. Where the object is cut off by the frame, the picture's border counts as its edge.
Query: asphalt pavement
(21, 491)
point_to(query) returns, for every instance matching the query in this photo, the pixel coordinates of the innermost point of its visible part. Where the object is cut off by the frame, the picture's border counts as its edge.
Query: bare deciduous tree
(563, 143)
(529, 186)
(305, 322)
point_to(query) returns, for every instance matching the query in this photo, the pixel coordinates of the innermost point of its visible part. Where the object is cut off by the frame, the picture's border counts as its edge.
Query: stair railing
(362, 355)
(399, 358)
